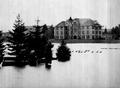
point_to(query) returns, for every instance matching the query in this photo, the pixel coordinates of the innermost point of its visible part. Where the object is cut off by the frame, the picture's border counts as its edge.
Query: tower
(71, 27)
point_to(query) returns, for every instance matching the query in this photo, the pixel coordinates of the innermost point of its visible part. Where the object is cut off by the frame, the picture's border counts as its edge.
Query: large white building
(78, 29)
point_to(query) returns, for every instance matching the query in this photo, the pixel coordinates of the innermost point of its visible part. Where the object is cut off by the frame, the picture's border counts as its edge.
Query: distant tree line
(2, 47)
(115, 31)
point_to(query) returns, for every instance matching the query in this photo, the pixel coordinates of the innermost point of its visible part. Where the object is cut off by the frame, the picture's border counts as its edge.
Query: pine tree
(40, 42)
(2, 47)
(63, 52)
(48, 53)
(17, 40)
(36, 43)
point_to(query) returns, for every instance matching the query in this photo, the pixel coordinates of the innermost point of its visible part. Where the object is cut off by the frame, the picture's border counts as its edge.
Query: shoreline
(10, 61)
(86, 41)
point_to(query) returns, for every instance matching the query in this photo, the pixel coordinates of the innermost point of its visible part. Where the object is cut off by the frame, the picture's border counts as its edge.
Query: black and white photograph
(59, 44)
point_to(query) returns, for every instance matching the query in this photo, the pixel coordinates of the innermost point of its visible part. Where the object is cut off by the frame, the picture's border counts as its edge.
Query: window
(61, 37)
(83, 32)
(83, 37)
(99, 37)
(88, 36)
(63, 28)
(79, 37)
(61, 32)
(79, 32)
(96, 37)
(99, 32)
(57, 37)
(56, 28)
(66, 32)
(96, 32)
(87, 32)
(57, 33)
(66, 28)
(92, 32)
(87, 27)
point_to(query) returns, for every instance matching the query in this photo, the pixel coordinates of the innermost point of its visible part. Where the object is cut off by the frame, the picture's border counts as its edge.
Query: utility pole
(38, 21)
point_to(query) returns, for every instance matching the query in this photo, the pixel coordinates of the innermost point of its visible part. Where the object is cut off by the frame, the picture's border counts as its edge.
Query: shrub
(63, 52)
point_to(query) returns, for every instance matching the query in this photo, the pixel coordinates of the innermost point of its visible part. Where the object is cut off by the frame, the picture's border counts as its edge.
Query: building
(78, 29)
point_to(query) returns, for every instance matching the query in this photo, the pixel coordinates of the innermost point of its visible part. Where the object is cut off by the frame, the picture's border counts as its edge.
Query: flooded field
(91, 66)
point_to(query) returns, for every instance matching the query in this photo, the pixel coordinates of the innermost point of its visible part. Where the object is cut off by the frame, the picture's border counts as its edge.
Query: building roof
(81, 22)
(84, 21)
(61, 24)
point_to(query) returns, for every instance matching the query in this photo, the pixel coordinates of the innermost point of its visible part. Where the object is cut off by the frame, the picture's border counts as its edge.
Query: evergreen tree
(45, 28)
(2, 47)
(52, 32)
(63, 52)
(105, 31)
(36, 43)
(48, 53)
(17, 40)
(115, 31)
(40, 42)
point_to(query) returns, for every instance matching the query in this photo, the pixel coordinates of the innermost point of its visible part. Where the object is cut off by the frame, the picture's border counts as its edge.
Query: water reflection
(48, 66)
(82, 71)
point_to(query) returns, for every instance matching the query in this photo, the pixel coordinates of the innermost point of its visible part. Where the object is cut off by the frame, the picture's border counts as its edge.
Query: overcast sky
(54, 11)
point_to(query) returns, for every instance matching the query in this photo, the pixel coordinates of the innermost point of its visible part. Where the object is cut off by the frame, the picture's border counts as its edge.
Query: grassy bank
(86, 41)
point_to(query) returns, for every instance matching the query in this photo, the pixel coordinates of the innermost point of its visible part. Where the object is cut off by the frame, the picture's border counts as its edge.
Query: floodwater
(91, 66)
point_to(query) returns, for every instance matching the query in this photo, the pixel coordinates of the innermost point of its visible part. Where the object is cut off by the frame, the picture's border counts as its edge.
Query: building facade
(78, 29)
